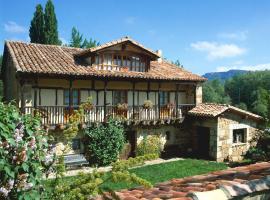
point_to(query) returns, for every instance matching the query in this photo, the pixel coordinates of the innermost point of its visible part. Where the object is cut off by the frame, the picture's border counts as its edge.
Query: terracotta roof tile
(256, 179)
(213, 110)
(59, 60)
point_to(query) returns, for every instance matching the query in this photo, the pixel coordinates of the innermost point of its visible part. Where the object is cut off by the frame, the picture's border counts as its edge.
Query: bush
(150, 144)
(24, 154)
(260, 152)
(103, 143)
(86, 186)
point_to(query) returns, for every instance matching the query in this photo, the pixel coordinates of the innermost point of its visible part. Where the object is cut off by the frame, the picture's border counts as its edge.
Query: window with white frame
(240, 135)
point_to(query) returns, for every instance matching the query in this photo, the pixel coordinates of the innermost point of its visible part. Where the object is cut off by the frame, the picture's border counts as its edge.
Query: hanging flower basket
(88, 106)
(122, 107)
(148, 104)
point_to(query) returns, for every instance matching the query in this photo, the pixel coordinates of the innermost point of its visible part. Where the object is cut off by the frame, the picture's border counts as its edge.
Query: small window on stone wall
(239, 135)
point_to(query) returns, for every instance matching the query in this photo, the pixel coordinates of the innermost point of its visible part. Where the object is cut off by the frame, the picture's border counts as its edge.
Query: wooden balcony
(55, 115)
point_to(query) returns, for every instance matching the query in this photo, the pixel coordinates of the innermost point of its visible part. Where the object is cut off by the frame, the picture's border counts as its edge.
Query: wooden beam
(22, 96)
(70, 96)
(35, 95)
(176, 99)
(105, 100)
(56, 97)
(148, 89)
(159, 101)
(133, 100)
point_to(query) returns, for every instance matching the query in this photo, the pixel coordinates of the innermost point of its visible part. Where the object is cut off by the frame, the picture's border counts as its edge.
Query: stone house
(121, 76)
(223, 132)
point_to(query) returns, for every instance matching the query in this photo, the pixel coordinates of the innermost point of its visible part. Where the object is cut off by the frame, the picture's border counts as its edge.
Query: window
(119, 97)
(239, 135)
(164, 98)
(117, 60)
(76, 144)
(75, 97)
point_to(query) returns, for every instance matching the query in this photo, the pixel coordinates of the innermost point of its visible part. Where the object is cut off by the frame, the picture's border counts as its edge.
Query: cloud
(216, 50)
(241, 35)
(257, 67)
(13, 27)
(130, 20)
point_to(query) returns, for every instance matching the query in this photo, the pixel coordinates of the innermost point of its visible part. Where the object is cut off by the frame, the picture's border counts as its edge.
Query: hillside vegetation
(249, 91)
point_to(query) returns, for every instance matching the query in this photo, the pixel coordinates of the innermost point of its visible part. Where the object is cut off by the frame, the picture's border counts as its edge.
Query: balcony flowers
(148, 104)
(88, 105)
(122, 106)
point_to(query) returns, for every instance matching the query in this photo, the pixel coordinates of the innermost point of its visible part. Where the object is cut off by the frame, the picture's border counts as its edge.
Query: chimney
(159, 53)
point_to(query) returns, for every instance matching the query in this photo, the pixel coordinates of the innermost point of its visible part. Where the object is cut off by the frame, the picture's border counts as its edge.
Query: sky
(205, 36)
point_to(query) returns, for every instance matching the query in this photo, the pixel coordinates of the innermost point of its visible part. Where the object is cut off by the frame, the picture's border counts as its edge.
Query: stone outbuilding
(222, 132)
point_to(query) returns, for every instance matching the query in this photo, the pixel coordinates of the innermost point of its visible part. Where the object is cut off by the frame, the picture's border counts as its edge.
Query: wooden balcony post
(105, 100)
(159, 112)
(22, 97)
(70, 96)
(133, 100)
(195, 95)
(35, 98)
(176, 99)
(148, 88)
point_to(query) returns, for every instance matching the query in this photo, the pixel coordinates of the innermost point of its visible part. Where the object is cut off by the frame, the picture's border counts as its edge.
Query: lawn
(166, 171)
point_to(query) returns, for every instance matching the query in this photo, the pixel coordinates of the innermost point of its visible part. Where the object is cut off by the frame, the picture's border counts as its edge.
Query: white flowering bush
(24, 154)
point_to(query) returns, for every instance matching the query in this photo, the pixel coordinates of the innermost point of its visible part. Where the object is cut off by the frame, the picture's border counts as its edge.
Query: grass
(166, 171)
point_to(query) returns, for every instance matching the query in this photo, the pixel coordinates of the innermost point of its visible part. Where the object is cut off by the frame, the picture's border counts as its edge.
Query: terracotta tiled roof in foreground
(213, 110)
(30, 58)
(220, 185)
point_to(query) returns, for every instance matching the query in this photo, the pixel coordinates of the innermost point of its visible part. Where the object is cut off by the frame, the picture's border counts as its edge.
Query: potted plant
(88, 105)
(148, 104)
(122, 106)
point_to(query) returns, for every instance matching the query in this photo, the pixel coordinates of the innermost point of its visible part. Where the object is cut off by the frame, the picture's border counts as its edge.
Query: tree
(1, 83)
(36, 31)
(213, 92)
(178, 63)
(90, 43)
(51, 32)
(103, 143)
(77, 40)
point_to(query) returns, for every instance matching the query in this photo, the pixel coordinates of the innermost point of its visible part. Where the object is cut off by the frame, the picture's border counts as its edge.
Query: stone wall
(179, 137)
(226, 149)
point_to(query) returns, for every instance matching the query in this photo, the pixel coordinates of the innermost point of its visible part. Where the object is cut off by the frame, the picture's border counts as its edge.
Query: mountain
(224, 75)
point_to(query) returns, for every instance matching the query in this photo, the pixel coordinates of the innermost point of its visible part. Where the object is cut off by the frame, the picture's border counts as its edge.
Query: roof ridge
(38, 44)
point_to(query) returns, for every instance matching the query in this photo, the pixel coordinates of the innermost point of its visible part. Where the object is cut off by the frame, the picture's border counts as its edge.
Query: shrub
(150, 144)
(86, 186)
(103, 143)
(24, 154)
(260, 152)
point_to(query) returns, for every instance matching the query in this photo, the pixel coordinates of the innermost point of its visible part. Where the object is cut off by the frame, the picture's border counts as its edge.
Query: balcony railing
(54, 115)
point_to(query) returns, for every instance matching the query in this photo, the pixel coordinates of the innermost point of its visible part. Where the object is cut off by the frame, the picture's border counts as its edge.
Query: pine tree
(76, 38)
(36, 31)
(51, 32)
(78, 41)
